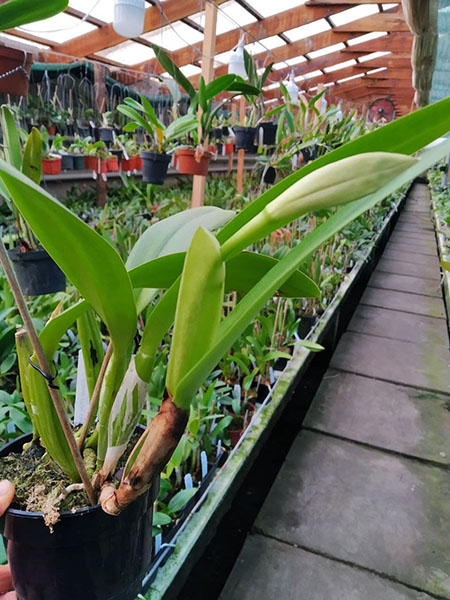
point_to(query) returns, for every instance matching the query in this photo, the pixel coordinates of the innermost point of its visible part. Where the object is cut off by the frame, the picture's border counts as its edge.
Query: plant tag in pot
(81, 393)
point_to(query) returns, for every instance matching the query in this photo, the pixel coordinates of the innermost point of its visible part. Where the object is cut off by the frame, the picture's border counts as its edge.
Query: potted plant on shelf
(193, 158)
(159, 139)
(51, 159)
(36, 271)
(78, 149)
(96, 157)
(105, 132)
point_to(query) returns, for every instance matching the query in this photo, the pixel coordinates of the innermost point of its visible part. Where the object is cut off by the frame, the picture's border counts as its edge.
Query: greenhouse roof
(359, 49)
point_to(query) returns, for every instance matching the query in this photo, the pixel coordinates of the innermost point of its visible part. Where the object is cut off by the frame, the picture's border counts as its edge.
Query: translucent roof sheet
(21, 41)
(265, 44)
(59, 29)
(357, 12)
(304, 31)
(267, 8)
(190, 70)
(174, 37)
(327, 50)
(377, 70)
(350, 78)
(104, 10)
(309, 75)
(366, 37)
(341, 65)
(372, 56)
(127, 53)
(230, 15)
(290, 61)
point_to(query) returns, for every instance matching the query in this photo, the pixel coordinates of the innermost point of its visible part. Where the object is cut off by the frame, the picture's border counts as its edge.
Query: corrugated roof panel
(127, 53)
(59, 29)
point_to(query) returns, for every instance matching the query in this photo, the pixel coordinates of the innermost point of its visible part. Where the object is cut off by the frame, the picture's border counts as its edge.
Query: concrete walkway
(361, 508)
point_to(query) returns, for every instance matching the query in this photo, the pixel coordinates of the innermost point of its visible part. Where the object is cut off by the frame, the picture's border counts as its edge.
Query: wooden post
(209, 48)
(100, 100)
(240, 153)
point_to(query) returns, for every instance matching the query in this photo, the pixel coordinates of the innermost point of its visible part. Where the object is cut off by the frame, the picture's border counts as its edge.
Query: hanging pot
(154, 167)
(37, 272)
(245, 137)
(90, 555)
(188, 165)
(105, 134)
(51, 166)
(269, 131)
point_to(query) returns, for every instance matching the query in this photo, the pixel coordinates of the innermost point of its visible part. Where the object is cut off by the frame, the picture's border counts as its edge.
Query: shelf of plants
(440, 197)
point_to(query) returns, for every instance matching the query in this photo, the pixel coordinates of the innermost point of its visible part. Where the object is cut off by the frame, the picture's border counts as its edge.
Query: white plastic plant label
(81, 393)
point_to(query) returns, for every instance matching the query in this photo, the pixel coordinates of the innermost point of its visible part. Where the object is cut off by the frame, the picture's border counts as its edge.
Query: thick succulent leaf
(92, 265)
(199, 307)
(242, 273)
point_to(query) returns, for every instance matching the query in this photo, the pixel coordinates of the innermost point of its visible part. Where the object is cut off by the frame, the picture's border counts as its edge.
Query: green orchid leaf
(32, 156)
(242, 273)
(92, 265)
(201, 293)
(57, 326)
(20, 12)
(11, 141)
(167, 63)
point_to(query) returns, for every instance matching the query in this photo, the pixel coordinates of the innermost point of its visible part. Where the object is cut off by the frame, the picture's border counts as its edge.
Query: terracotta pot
(51, 129)
(17, 82)
(112, 164)
(235, 434)
(187, 165)
(51, 166)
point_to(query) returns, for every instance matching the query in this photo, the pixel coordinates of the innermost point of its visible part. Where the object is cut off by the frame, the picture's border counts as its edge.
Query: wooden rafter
(273, 25)
(392, 20)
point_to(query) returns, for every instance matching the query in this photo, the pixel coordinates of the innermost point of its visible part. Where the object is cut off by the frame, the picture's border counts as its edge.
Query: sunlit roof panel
(21, 41)
(290, 62)
(304, 31)
(327, 50)
(366, 37)
(372, 56)
(59, 29)
(127, 53)
(175, 36)
(230, 15)
(352, 14)
(341, 65)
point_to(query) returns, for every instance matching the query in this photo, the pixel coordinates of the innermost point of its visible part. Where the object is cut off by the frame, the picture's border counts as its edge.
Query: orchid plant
(195, 267)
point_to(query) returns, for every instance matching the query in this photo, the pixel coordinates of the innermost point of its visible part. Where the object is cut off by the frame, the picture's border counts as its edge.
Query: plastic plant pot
(90, 555)
(78, 162)
(51, 166)
(51, 129)
(269, 175)
(154, 167)
(90, 162)
(105, 134)
(138, 163)
(240, 424)
(245, 137)
(229, 148)
(117, 152)
(188, 165)
(112, 164)
(309, 153)
(269, 133)
(128, 164)
(66, 162)
(37, 272)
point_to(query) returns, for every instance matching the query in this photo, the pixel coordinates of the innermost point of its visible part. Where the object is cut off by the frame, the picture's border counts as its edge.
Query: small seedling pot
(118, 153)
(94, 164)
(128, 164)
(37, 272)
(309, 153)
(269, 133)
(269, 175)
(51, 129)
(51, 166)
(67, 162)
(188, 165)
(216, 133)
(78, 162)
(229, 148)
(154, 167)
(138, 163)
(240, 424)
(305, 326)
(90, 555)
(245, 138)
(112, 164)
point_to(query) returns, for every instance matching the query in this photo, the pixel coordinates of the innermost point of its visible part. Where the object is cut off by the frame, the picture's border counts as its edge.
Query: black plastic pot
(245, 138)
(78, 162)
(269, 175)
(66, 162)
(105, 134)
(216, 133)
(90, 555)
(154, 167)
(305, 326)
(269, 133)
(84, 131)
(309, 153)
(37, 272)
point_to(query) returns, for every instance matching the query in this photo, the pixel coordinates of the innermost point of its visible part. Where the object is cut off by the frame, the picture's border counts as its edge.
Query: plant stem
(95, 396)
(44, 365)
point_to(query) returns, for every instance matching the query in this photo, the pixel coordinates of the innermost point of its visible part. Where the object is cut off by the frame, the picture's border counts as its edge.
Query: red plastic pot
(229, 148)
(138, 163)
(112, 164)
(188, 165)
(128, 164)
(51, 129)
(51, 166)
(94, 164)
(236, 433)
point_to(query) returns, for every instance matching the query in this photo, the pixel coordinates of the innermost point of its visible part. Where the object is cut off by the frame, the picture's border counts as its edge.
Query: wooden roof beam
(390, 20)
(394, 42)
(105, 36)
(390, 61)
(274, 25)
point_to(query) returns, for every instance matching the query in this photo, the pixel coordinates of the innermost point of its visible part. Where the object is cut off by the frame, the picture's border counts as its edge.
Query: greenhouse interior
(224, 300)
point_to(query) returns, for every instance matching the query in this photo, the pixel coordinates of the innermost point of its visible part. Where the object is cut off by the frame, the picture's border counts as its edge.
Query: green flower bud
(334, 184)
